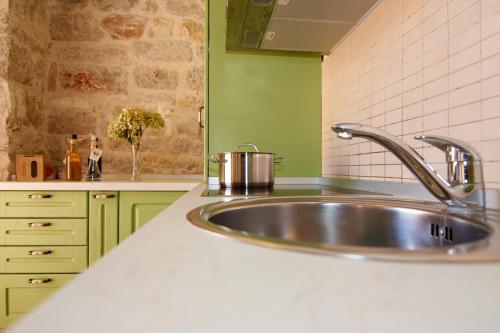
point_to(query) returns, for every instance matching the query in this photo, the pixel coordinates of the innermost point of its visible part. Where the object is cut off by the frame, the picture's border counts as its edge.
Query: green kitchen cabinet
(43, 244)
(46, 237)
(20, 293)
(138, 208)
(103, 223)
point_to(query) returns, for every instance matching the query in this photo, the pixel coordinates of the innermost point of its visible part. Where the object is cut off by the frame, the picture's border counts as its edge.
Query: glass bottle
(94, 166)
(73, 160)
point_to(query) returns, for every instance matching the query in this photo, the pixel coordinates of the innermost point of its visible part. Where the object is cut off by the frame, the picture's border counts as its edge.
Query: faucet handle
(464, 162)
(456, 150)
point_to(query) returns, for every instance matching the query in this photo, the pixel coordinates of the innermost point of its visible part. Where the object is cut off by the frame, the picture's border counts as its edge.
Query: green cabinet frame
(103, 223)
(138, 208)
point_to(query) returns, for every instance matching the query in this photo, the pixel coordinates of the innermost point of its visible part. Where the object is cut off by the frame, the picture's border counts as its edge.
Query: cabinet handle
(39, 224)
(103, 196)
(39, 196)
(39, 281)
(200, 116)
(39, 253)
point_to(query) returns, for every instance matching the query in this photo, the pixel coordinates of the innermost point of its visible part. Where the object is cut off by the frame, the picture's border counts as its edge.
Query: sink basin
(357, 227)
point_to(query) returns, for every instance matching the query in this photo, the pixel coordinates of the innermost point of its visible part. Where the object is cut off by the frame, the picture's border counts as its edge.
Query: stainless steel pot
(246, 169)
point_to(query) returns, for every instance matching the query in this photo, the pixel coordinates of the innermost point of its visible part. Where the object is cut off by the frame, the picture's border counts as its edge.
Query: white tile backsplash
(415, 67)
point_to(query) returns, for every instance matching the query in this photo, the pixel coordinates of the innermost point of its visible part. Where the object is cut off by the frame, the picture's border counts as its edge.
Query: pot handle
(279, 160)
(214, 159)
(247, 145)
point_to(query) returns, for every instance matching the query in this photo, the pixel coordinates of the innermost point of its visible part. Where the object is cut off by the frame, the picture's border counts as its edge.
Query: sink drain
(445, 233)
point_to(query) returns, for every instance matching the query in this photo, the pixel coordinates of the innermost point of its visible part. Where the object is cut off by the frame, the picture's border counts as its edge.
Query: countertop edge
(167, 185)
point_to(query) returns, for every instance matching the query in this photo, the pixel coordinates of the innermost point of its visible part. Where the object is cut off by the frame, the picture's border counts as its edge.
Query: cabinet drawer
(43, 259)
(43, 204)
(21, 293)
(43, 232)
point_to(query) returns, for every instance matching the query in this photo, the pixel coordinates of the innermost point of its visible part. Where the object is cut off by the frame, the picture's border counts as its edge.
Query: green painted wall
(272, 99)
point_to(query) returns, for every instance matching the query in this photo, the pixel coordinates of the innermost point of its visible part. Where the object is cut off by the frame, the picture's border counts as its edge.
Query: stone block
(109, 5)
(185, 8)
(200, 52)
(52, 77)
(160, 28)
(196, 31)
(166, 100)
(75, 27)
(116, 162)
(68, 5)
(189, 103)
(33, 35)
(63, 102)
(124, 26)
(149, 6)
(187, 127)
(156, 78)
(71, 120)
(85, 78)
(168, 51)
(26, 107)
(185, 144)
(4, 55)
(22, 72)
(31, 12)
(93, 54)
(195, 78)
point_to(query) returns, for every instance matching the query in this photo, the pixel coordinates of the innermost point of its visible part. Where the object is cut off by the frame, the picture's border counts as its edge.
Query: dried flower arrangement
(130, 125)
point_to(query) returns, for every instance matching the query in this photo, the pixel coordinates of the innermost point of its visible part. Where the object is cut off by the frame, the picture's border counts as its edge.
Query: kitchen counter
(109, 183)
(171, 276)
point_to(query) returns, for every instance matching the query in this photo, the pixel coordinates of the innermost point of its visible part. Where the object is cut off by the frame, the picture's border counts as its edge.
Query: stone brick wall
(74, 64)
(4, 88)
(27, 71)
(108, 54)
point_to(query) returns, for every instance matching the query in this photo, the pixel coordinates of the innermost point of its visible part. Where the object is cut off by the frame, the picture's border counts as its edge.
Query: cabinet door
(103, 224)
(21, 293)
(138, 208)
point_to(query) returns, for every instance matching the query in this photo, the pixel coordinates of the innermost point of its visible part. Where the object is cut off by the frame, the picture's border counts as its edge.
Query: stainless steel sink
(358, 227)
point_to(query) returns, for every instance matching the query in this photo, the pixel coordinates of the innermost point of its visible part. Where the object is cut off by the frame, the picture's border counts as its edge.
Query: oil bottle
(73, 160)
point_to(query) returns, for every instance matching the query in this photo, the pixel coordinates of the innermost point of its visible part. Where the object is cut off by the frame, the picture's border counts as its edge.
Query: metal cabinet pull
(201, 109)
(39, 253)
(39, 224)
(39, 281)
(103, 196)
(39, 196)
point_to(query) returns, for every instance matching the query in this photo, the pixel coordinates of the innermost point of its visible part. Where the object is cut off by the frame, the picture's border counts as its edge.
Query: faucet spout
(466, 190)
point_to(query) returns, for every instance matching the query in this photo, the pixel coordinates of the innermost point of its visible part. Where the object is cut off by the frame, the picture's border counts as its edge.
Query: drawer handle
(39, 253)
(39, 196)
(39, 281)
(103, 196)
(39, 224)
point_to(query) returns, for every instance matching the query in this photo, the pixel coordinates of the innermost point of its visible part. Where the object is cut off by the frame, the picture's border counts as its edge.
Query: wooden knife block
(29, 168)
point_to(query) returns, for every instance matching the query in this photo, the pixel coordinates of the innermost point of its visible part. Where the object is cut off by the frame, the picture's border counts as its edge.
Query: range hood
(292, 25)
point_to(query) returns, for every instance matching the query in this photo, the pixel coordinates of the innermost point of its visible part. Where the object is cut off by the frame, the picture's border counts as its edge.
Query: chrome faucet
(464, 186)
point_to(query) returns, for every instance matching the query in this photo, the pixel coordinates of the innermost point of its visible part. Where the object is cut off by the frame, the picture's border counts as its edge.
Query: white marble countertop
(109, 183)
(171, 276)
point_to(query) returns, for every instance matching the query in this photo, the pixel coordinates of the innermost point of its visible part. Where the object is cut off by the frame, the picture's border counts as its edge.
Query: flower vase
(136, 161)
